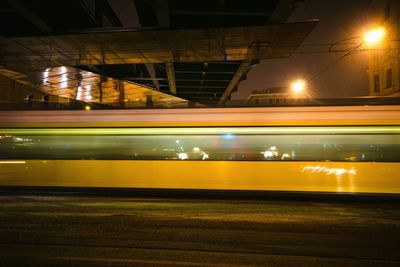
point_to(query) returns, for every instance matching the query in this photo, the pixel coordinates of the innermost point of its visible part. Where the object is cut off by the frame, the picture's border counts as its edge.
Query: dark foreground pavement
(51, 230)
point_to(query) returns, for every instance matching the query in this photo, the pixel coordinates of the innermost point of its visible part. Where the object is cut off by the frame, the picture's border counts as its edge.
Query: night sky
(338, 20)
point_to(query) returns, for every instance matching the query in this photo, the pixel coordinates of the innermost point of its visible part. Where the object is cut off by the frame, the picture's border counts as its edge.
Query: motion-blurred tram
(351, 149)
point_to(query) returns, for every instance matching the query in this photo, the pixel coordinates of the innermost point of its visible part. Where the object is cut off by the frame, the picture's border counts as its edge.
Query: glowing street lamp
(298, 86)
(374, 36)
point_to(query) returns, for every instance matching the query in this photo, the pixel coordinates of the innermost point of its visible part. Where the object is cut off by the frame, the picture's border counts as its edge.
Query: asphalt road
(62, 230)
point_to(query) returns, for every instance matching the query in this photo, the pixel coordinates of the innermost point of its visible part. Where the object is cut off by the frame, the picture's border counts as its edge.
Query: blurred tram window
(369, 144)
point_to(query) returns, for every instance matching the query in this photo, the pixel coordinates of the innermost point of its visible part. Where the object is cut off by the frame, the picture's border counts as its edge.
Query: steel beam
(282, 11)
(243, 68)
(220, 13)
(29, 15)
(162, 13)
(169, 67)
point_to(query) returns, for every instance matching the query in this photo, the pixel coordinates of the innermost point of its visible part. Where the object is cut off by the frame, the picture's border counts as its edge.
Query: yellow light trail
(206, 130)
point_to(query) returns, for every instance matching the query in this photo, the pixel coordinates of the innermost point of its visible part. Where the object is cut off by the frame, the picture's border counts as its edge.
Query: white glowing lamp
(374, 36)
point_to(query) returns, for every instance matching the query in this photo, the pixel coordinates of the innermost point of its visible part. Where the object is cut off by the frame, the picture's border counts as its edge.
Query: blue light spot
(228, 136)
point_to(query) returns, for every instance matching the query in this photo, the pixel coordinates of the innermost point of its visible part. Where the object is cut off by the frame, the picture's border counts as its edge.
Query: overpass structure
(134, 53)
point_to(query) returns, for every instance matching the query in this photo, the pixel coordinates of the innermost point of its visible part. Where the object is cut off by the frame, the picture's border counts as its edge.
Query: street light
(374, 36)
(298, 86)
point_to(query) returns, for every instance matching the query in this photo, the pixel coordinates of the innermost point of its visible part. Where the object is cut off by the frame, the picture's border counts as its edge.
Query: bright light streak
(209, 130)
(374, 36)
(329, 171)
(13, 162)
(183, 156)
(298, 86)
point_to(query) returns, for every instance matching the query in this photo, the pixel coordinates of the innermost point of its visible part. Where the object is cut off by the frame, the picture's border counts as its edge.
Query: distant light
(183, 156)
(204, 156)
(87, 107)
(270, 153)
(196, 149)
(298, 86)
(374, 36)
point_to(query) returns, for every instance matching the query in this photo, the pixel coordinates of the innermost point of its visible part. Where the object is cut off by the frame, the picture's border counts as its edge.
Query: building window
(387, 11)
(376, 83)
(389, 78)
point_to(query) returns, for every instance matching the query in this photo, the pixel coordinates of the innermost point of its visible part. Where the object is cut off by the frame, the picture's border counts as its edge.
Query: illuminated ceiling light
(298, 86)
(374, 36)
(46, 76)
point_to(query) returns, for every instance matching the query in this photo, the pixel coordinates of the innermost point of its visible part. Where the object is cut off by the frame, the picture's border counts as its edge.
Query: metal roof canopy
(197, 50)
(204, 46)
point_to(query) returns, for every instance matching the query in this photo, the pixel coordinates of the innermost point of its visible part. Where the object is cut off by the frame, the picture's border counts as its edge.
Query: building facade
(384, 58)
(275, 96)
